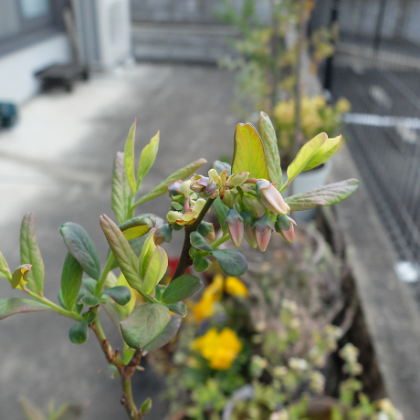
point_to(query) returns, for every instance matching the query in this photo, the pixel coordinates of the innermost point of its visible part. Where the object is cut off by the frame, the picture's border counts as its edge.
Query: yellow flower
(220, 349)
(285, 112)
(318, 101)
(343, 105)
(212, 294)
(235, 287)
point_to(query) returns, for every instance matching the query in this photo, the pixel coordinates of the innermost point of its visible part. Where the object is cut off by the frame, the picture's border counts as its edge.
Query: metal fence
(377, 68)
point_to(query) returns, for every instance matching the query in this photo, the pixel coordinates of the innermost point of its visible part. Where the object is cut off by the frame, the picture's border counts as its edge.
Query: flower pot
(305, 181)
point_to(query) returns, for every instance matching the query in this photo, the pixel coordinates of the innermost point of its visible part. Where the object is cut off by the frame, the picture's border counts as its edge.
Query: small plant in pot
(276, 64)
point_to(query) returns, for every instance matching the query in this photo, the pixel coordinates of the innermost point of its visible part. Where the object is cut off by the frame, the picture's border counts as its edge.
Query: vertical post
(379, 24)
(329, 69)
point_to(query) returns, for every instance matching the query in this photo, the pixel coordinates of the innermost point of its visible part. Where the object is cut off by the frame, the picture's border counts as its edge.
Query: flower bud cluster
(256, 207)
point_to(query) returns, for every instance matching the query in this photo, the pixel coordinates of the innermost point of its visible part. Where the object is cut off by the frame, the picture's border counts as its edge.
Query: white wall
(17, 81)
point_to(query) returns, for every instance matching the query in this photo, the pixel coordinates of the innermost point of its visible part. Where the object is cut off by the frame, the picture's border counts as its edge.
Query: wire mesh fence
(377, 68)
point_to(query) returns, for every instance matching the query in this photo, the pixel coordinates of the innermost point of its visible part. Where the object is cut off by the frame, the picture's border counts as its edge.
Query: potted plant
(276, 66)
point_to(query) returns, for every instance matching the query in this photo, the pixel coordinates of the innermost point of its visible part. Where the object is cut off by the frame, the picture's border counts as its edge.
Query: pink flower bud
(263, 228)
(202, 185)
(248, 230)
(271, 198)
(235, 225)
(284, 225)
(174, 188)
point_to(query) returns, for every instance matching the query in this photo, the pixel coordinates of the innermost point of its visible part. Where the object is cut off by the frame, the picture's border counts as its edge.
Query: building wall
(17, 80)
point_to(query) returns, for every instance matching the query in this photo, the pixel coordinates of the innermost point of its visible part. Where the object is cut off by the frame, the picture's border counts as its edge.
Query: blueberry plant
(247, 199)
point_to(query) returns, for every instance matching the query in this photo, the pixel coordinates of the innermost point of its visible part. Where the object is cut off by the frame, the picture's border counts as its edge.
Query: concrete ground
(57, 163)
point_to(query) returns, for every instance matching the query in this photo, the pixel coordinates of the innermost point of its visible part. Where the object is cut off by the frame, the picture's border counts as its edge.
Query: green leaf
(12, 306)
(71, 280)
(120, 195)
(144, 324)
(201, 264)
(146, 406)
(155, 270)
(162, 188)
(148, 156)
(179, 308)
(137, 226)
(90, 284)
(304, 156)
(249, 154)
(90, 316)
(115, 312)
(120, 294)
(78, 333)
(323, 196)
(82, 248)
(197, 241)
(4, 268)
(20, 274)
(182, 288)
(168, 333)
(232, 262)
(30, 254)
(90, 300)
(129, 158)
(221, 212)
(272, 155)
(122, 250)
(31, 411)
(324, 153)
(136, 245)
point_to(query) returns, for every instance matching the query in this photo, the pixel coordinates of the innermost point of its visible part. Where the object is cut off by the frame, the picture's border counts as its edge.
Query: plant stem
(185, 260)
(54, 306)
(125, 371)
(107, 269)
(127, 400)
(220, 241)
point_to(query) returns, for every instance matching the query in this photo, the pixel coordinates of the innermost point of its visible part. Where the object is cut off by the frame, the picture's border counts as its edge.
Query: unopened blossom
(163, 234)
(206, 230)
(239, 179)
(263, 227)
(188, 217)
(271, 198)
(284, 225)
(235, 226)
(174, 188)
(201, 185)
(249, 234)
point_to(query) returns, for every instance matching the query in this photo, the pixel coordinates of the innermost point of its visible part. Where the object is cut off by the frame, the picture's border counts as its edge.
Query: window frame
(36, 29)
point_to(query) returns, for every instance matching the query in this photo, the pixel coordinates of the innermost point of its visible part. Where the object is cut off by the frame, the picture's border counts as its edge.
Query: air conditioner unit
(103, 31)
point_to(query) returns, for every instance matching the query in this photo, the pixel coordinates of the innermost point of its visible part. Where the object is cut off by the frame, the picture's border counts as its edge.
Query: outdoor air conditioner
(103, 32)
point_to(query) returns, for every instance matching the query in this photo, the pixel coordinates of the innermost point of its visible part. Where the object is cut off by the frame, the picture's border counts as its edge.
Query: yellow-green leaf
(120, 195)
(324, 153)
(4, 268)
(155, 270)
(147, 157)
(129, 158)
(304, 157)
(146, 254)
(30, 254)
(20, 274)
(249, 153)
(272, 154)
(162, 188)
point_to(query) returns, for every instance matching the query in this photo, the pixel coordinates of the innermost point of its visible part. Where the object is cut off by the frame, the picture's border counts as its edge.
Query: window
(26, 21)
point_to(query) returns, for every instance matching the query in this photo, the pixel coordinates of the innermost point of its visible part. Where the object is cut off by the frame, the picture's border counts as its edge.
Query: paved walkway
(57, 162)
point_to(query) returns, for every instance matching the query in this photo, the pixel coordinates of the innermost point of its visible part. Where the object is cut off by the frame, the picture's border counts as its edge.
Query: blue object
(8, 114)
